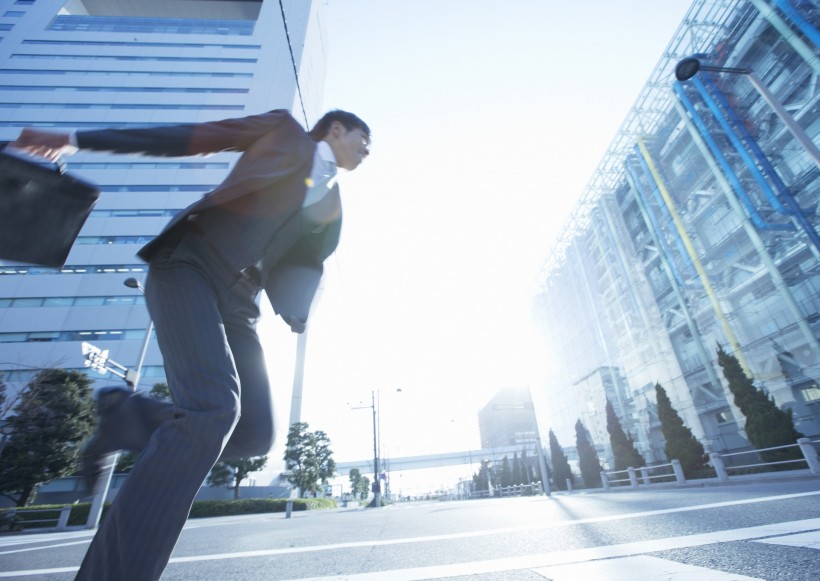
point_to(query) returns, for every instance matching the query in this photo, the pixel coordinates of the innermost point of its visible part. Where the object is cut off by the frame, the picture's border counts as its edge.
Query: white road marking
(48, 547)
(577, 556)
(809, 540)
(467, 534)
(646, 568)
(31, 538)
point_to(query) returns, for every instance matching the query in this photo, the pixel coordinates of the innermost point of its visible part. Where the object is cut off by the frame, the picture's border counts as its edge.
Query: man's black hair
(348, 120)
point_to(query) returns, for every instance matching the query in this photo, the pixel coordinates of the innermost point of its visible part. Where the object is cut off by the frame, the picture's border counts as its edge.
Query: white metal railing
(630, 475)
(646, 475)
(806, 446)
(515, 490)
(14, 519)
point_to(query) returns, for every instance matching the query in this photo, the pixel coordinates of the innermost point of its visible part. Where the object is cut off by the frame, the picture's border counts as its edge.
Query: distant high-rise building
(87, 64)
(699, 228)
(508, 420)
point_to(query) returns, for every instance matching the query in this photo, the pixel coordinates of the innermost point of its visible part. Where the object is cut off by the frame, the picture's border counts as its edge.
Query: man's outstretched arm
(161, 141)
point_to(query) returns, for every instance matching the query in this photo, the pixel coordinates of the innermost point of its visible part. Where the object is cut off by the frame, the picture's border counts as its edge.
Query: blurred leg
(140, 530)
(254, 433)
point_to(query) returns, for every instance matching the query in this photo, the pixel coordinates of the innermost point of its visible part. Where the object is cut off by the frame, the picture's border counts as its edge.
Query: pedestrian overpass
(467, 457)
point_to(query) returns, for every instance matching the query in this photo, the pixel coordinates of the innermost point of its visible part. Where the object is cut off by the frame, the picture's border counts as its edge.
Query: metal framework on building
(699, 227)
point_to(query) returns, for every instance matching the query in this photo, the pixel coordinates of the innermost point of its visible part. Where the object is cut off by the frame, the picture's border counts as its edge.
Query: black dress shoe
(99, 446)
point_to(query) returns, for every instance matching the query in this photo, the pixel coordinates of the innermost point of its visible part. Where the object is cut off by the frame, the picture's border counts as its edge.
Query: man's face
(350, 146)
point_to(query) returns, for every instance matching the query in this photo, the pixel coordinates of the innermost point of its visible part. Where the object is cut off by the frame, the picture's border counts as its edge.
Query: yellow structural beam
(734, 344)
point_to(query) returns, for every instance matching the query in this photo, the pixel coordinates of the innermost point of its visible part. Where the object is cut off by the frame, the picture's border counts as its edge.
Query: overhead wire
(293, 62)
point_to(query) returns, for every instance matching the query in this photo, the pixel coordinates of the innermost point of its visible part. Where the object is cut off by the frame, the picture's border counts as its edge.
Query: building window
(152, 25)
(125, 57)
(34, 302)
(132, 44)
(50, 336)
(73, 269)
(42, 72)
(811, 393)
(25, 375)
(723, 417)
(73, 89)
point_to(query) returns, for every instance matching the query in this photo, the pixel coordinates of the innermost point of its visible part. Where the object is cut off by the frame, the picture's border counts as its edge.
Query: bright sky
(488, 120)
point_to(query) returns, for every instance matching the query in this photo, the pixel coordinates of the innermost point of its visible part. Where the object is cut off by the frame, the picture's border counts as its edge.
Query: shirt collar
(325, 152)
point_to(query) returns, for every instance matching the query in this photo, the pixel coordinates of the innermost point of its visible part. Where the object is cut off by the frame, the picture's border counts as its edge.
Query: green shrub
(209, 508)
(200, 509)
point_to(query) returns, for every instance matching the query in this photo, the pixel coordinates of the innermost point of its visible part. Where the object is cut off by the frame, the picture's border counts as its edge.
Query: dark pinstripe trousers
(206, 329)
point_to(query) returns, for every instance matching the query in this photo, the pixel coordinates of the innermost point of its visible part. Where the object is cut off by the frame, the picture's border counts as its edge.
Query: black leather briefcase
(42, 210)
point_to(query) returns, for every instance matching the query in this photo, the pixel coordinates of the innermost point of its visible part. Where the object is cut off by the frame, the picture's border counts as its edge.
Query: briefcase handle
(60, 166)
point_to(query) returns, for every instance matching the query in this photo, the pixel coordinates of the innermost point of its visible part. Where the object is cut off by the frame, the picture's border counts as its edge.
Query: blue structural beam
(724, 165)
(792, 207)
(799, 20)
(631, 161)
(732, 135)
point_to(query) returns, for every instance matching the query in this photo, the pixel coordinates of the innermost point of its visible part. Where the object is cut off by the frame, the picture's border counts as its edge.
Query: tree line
(44, 424)
(766, 426)
(43, 427)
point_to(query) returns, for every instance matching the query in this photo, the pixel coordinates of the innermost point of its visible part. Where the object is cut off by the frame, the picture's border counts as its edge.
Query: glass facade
(88, 64)
(698, 229)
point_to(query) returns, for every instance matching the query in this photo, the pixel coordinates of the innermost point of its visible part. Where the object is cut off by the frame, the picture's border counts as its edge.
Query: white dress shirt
(322, 176)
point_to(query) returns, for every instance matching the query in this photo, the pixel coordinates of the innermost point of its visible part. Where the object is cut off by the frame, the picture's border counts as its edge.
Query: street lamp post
(377, 496)
(98, 359)
(689, 67)
(377, 483)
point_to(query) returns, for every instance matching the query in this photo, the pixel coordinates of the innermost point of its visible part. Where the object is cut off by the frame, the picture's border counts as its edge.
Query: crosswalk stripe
(809, 540)
(576, 556)
(645, 567)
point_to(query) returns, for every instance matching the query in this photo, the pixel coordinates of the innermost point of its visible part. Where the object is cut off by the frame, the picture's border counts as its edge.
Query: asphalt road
(752, 531)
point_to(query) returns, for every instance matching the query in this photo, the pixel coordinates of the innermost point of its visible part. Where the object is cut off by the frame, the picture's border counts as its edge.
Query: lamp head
(687, 68)
(131, 283)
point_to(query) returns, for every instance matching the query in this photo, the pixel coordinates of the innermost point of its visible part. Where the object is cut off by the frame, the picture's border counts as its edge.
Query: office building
(89, 64)
(507, 420)
(699, 228)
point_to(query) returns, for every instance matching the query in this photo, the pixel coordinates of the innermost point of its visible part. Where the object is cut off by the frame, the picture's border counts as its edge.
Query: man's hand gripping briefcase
(42, 210)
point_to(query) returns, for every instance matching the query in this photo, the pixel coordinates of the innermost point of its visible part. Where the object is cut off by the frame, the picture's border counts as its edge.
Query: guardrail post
(604, 480)
(288, 507)
(569, 485)
(633, 479)
(645, 475)
(720, 467)
(810, 454)
(62, 522)
(676, 468)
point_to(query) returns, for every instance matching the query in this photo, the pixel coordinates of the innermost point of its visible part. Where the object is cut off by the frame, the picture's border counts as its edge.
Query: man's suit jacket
(276, 162)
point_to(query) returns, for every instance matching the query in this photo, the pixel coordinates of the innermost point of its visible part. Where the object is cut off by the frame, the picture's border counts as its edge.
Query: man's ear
(336, 129)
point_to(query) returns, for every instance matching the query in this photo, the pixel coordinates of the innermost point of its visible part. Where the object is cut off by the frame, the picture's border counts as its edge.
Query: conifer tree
(526, 469)
(766, 424)
(681, 444)
(506, 473)
(517, 477)
(623, 448)
(482, 479)
(561, 471)
(588, 460)
(52, 416)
